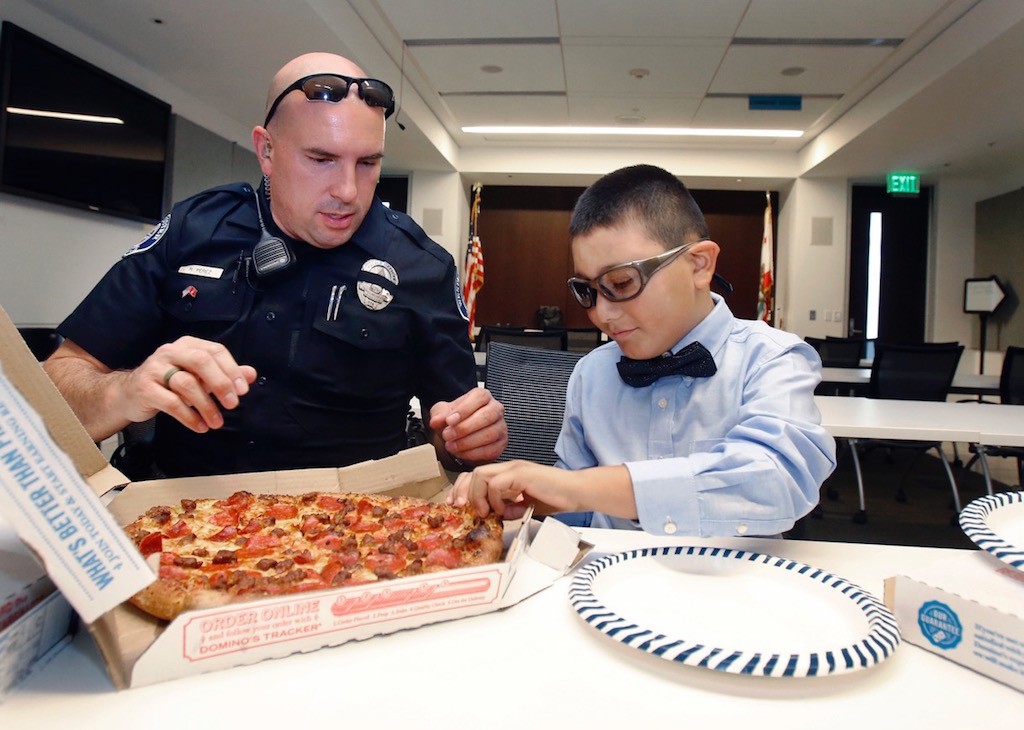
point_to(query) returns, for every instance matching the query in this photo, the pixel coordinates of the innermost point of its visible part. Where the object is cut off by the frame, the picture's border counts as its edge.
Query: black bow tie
(693, 360)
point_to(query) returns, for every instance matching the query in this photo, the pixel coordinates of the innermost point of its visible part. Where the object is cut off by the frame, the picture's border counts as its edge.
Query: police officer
(286, 325)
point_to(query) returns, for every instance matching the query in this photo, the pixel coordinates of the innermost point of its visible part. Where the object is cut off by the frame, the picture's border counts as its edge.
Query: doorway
(888, 264)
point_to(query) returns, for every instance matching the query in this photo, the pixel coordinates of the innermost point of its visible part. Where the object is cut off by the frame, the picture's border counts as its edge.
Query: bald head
(305, 65)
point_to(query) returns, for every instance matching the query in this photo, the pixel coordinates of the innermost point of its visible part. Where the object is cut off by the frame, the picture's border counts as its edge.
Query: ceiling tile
(674, 69)
(604, 110)
(844, 19)
(829, 69)
(650, 18)
(476, 19)
(458, 68)
(505, 110)
(735, 113)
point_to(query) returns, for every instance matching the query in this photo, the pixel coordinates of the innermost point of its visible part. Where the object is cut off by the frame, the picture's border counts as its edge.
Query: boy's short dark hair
(647, 195)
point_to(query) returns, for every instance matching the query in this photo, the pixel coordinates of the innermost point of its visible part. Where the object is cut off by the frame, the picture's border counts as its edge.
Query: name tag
(210, 272)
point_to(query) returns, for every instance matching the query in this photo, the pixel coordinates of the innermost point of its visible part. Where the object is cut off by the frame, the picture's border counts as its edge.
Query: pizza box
(52, 478)
(35, 619)
(968, 608)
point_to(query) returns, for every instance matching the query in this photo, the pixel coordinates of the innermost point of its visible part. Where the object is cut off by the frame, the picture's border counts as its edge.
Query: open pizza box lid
(54, 482)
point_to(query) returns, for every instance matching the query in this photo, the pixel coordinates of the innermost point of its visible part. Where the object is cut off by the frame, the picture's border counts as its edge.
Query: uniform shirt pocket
(365, 330)
(204, 308)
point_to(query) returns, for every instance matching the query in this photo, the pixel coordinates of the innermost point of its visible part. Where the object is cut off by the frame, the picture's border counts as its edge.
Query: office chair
(583, 339)
(133, 455)
(1011, 392)
(553, 338)
(908, 372)
(838, 352)
(530, 382)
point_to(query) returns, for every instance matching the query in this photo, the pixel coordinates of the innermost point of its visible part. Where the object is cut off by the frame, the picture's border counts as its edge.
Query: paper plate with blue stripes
(734, 611)
(995, 523)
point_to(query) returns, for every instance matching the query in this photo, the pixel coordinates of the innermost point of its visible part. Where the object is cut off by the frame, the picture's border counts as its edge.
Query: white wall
(953, 261)
(51, 256)
(431, 192)
(813, 277)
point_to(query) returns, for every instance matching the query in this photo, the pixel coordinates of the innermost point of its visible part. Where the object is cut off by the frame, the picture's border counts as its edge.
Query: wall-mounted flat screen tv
(74, 134)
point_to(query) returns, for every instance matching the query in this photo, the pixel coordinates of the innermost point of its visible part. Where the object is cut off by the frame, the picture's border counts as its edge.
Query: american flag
(765, 303)
(474, 279)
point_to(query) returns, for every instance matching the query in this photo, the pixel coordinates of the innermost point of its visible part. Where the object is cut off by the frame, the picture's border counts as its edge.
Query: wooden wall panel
(526, 260)
(524, 234)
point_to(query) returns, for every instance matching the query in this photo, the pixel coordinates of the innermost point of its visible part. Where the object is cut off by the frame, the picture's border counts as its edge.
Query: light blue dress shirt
(739, 453)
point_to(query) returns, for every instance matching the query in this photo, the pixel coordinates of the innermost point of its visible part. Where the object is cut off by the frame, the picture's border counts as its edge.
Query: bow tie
(693, 360)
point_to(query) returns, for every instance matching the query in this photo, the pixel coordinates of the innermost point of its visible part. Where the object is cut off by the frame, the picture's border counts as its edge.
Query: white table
(908, 420)
(979, 423)
(911, 420)
(535, 664)
(963, 383)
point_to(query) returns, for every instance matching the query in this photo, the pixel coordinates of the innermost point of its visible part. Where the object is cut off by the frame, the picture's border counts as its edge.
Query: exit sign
(903, 183)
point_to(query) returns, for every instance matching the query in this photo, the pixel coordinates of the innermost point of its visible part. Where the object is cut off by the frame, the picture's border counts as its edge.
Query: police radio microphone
(271, 255)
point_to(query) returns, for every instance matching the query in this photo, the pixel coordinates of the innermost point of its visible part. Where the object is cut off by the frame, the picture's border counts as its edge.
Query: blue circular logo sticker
(940, 625)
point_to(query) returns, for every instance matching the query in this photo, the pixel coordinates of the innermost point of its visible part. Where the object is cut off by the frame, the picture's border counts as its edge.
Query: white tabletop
(534, 664)
(971, 422)
(984, 384)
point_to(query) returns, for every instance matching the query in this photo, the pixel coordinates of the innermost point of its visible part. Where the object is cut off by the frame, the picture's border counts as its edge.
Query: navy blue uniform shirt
(334, 374)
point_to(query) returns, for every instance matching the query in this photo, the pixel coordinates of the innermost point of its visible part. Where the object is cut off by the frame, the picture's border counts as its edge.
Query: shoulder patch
(459, 301)
(152, 239)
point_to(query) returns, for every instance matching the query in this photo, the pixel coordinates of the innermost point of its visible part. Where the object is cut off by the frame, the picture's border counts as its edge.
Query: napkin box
(35, 619)
(968, 608)
(55, 477)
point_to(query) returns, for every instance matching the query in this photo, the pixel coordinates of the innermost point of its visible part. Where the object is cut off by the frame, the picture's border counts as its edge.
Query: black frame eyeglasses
(334, 88)
(625, 281)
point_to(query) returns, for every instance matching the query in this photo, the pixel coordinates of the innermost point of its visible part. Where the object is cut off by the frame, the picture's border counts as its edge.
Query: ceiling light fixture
(635, 117)
(64, 115)
(635, 131)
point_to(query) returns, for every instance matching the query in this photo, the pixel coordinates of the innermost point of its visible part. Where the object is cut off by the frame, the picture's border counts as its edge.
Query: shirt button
(262, 380)
(662, 404)
(270, 316)
(364, 333)
(670, 527)
(741, 529)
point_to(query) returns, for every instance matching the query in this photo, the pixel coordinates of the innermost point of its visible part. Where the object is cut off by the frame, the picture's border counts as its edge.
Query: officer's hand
(187, 379)
(472, 426)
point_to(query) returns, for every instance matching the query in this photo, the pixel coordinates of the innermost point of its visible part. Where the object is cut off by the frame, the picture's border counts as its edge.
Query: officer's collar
(372, 235)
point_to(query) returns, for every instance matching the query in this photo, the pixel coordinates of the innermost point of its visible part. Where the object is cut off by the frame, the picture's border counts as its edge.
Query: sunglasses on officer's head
(334, 88)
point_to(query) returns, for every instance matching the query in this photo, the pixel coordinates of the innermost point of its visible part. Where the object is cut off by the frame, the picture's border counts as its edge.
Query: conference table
(538, 663)
(991, 424)
(963, 383)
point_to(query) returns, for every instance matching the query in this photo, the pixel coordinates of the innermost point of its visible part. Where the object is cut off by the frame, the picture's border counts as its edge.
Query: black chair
(553, 338)
(42, 341)
(133, 456)
(530, 382)
(908, 372)
(583, 339)
(1011, 392)
(838, 352)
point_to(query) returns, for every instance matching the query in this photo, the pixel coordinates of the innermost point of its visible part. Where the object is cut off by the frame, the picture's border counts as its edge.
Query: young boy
(722, 438)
